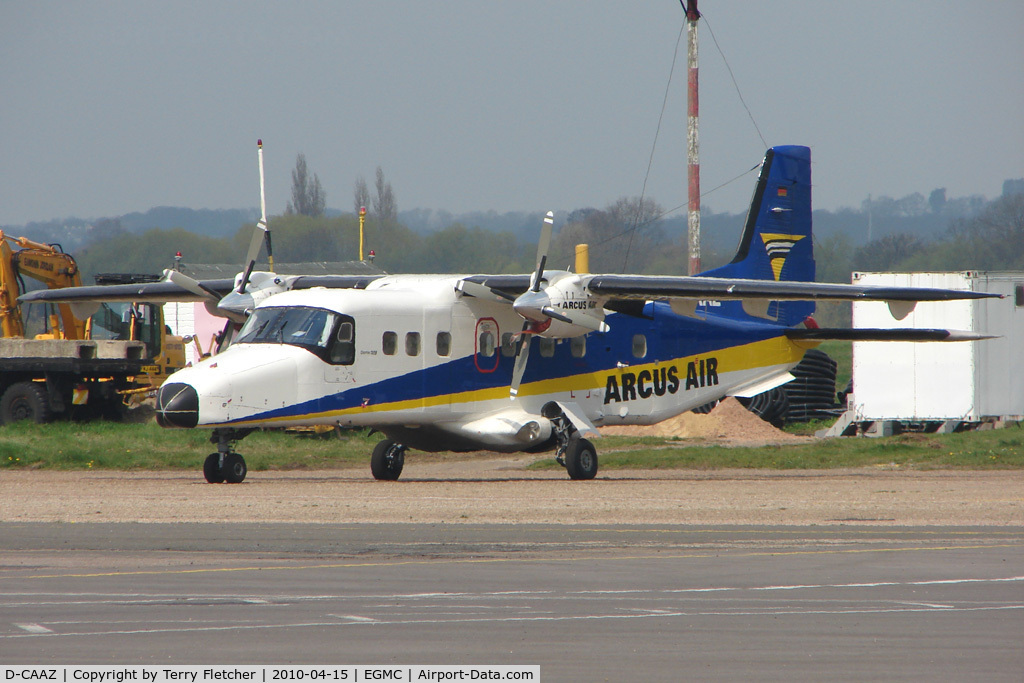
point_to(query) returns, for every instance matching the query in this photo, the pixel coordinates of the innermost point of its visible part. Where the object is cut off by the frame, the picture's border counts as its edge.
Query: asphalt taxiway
(583, 602)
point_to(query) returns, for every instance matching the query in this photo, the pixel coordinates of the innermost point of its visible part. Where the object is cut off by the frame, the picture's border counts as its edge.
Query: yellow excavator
(83, 366)
(46, 263)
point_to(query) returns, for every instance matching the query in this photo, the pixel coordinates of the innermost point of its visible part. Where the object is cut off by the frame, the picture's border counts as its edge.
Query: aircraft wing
(145, 292)
(695, 287)
(165, 291)
(914, 334)
(333, 281)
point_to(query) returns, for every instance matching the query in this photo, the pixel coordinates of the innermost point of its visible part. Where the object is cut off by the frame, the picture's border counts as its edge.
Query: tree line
(623, 237)
(629, 235)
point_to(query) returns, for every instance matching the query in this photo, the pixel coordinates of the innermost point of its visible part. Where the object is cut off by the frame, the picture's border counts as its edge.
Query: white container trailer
(942, 381)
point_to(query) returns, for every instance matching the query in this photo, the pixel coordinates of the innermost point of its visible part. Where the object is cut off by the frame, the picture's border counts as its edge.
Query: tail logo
(778, 248)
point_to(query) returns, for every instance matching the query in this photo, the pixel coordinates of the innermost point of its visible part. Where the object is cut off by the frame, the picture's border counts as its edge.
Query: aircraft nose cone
(177, 405)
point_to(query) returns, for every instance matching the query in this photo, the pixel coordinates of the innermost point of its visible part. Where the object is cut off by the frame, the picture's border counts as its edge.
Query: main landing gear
(387, 460)
(225, 466)
(576, 454)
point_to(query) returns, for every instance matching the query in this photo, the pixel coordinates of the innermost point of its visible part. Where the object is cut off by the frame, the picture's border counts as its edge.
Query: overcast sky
(113, 107)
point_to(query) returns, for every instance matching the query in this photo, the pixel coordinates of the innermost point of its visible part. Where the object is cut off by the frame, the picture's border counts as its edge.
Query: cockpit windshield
(306, 327)
(327, 334)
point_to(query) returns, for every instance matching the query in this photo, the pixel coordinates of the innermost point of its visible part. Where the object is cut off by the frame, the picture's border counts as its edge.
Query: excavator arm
(43, 262)
(11, 324)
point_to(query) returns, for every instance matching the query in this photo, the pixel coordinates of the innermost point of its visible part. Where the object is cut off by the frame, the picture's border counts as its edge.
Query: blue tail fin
(776, 242)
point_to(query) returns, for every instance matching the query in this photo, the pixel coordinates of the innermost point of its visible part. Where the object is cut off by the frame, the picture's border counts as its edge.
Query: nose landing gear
(226, 466)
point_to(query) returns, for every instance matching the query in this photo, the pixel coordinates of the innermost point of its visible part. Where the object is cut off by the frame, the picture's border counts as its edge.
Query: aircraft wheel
(234, 468)
(387, 460)
(581, 459)
(212, 470)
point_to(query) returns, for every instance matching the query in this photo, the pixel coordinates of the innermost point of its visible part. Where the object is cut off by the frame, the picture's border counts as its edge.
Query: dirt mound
(729, 422)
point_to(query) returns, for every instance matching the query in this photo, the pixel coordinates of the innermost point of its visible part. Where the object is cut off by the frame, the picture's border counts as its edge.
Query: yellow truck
(79, 366)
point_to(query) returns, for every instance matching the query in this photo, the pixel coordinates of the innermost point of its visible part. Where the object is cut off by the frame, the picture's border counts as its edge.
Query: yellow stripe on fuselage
(766, 353)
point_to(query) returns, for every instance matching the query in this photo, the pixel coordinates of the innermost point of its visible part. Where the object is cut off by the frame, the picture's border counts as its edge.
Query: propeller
(535, 304)
(525, 336)
(235, 306)
(561, 297)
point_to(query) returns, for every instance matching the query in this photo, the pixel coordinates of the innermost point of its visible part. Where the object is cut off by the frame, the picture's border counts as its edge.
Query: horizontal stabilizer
(761, 385)
(884, 335)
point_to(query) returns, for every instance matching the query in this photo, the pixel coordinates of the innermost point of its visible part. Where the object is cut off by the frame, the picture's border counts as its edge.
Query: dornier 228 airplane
(449, 362)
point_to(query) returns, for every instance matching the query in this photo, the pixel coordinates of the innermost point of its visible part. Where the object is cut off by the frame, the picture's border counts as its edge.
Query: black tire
(581, 459)
(234, 469)
(706, 408)
(25, 401)
(387, 460)
(212, 470)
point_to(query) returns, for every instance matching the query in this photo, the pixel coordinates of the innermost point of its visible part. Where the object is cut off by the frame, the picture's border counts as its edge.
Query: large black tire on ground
(812, 395)
(581, 459)
(706, 408)
(211, 469)
(771, 406)
(387, 460)
(25, 401)
(234, 469)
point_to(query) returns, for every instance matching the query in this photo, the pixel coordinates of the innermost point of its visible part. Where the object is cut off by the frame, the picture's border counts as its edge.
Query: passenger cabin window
(389, 343)
(486, 344)
(309, 328)
(578, 347)
(547, 347)
(412, 344)
(444, 343)
(1018, 296)
(508, 345)
(639, 346)
(342, 351)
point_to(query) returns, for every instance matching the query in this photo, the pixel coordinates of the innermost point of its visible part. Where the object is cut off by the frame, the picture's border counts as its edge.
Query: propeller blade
(483, 291)
(261, 234)
(191, 284)
(522, 354)
(263, 207)
(213, 300)
(258, 237)
(552, 313)
(543, 244)
(578, 318)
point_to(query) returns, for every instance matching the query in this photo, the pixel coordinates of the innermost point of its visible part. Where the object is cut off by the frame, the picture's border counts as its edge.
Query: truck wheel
(25, 401)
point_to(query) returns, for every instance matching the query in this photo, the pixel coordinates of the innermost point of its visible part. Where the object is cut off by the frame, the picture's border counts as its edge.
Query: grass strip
(117, 446)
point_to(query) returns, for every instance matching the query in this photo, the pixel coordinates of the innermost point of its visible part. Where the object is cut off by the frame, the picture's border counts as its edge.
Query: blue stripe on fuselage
(668, 336)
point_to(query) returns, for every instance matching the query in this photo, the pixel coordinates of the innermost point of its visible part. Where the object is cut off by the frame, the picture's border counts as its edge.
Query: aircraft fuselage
(411, 357)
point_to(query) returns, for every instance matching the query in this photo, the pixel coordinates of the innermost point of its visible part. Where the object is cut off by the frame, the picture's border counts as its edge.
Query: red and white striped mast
(692, 141)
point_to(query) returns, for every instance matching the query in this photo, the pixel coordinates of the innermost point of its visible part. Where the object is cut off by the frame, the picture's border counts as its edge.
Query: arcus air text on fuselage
(424, 355)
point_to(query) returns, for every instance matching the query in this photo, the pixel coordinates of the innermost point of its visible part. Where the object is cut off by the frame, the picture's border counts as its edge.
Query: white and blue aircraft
(448, 362)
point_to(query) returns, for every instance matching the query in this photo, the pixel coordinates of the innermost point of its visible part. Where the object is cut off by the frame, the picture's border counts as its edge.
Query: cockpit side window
(342, 349)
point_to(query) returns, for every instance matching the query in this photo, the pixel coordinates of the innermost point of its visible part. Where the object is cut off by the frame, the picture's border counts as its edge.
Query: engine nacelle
(562, 309)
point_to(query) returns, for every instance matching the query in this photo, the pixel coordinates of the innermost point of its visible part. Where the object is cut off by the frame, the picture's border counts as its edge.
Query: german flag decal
(783, 192)
(778, 248)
